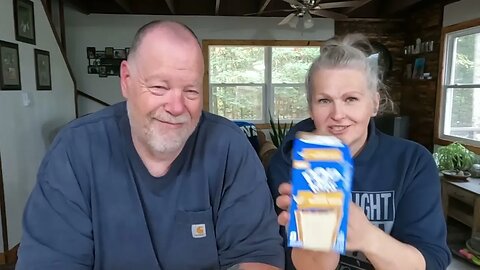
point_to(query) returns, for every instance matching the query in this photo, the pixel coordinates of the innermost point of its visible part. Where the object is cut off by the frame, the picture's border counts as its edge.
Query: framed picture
(91, 52)
(99, 54)
(92, 69)
(9, 66)
(108, 52)
(119, 54)
(24, 21)
(102, 71)
(42, 70)
(127, 51)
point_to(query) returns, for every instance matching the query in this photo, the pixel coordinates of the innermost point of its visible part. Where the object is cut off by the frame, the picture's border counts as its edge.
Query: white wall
(25, 131)
(98, 30)
(461, 11)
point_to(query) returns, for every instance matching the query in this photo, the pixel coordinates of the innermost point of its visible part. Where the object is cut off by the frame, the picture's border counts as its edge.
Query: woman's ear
(376, 104)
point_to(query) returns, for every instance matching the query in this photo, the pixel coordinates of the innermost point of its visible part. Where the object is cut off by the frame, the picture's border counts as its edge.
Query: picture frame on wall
(108, 52)
(24, 21)
(43, 74)
(9, 66)
(91, 52)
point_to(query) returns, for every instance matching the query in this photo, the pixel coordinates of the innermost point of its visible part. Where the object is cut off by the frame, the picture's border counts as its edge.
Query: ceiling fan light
(307, 21)
(293, 22)
(308, 24)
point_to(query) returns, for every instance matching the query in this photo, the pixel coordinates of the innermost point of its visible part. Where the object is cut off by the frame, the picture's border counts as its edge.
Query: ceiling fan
(304, 9)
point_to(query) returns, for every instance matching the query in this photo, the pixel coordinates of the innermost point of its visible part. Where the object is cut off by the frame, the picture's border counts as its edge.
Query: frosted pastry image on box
(321, 178)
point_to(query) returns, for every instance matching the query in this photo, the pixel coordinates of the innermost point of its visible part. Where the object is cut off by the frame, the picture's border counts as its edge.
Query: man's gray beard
(163, 145)
(158, 142)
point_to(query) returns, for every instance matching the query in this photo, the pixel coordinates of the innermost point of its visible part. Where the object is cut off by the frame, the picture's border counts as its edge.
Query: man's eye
(192, 94)
(157, 90)
(351, 99)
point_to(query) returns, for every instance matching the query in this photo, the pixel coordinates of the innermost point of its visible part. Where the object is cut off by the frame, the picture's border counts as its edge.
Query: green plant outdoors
(454, 157)
(279, 130)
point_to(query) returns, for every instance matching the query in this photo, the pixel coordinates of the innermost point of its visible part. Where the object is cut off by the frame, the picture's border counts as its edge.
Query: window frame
(268, 87)
(444, 83)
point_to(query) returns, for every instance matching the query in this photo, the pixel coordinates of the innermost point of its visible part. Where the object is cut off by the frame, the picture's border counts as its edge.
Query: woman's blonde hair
(352, 51)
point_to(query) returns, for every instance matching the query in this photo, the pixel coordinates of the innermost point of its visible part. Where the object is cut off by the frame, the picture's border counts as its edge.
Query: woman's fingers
(285, 189)
(283, 202)
(283, 218)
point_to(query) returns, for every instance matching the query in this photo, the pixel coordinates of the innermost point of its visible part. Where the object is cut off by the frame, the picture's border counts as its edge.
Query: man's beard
(163, 140)
(169, 140)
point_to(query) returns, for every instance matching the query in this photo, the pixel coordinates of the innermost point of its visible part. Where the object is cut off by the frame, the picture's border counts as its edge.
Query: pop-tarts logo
(199, 231)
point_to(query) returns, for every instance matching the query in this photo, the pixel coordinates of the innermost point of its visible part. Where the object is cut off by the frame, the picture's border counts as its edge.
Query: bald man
(152, 182)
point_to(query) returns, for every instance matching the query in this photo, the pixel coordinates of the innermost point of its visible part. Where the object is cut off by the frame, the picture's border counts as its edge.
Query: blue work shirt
(96, 206)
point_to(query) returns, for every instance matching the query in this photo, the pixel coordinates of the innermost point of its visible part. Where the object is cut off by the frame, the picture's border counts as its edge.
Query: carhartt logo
(199, 230)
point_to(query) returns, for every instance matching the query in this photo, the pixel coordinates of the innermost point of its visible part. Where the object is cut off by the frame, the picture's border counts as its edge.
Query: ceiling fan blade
(287, 19)
(269, 11)
(341, 4)
(294, 2)
(328, 14)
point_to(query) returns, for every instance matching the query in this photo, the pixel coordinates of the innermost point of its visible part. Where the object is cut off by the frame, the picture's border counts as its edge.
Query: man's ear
(125, 77)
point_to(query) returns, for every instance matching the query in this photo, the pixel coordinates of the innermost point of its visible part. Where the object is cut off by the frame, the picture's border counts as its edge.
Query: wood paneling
(419, 96)
(389, 33)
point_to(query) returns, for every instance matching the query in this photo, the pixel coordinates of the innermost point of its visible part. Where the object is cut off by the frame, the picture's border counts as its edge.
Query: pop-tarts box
(322, 171)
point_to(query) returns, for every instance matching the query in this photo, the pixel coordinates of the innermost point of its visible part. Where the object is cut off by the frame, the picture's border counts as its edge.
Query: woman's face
(342, 105)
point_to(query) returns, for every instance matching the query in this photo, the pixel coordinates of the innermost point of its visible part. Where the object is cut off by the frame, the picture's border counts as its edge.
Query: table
(461, 201)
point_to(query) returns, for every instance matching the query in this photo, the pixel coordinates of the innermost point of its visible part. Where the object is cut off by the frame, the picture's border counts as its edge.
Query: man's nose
(175, 104)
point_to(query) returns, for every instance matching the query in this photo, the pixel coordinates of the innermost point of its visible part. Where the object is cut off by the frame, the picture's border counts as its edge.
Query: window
(249, 80)
(460, 91)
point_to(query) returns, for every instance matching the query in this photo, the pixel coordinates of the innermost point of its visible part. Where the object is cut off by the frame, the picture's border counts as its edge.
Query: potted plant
(278, 131)
(454, 160)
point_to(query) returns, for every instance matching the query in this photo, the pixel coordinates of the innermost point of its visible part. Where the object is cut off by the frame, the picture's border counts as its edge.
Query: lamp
(293, 22)
(307, 20)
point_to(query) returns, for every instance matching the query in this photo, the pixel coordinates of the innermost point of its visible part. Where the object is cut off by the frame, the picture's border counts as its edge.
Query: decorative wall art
(43, 74)
(9, 66)
(24, 21)
(107, 62)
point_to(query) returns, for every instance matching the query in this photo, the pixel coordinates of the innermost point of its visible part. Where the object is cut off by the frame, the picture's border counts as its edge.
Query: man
(152, 183)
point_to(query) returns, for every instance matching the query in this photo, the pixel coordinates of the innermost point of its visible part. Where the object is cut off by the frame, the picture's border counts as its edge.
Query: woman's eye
(323, 101)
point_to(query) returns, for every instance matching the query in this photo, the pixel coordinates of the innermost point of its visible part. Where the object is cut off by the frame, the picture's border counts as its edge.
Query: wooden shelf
(461, 216)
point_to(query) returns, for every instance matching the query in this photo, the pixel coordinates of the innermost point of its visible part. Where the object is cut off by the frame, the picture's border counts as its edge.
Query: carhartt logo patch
(199, 230)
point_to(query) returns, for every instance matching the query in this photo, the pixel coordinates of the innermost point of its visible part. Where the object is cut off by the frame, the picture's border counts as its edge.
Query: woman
(395, 219)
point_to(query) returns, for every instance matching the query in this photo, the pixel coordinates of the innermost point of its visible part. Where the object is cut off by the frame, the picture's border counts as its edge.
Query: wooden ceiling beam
(217, 6)
(125, 5)
(394, 6)
(359, 5)
(171, 6)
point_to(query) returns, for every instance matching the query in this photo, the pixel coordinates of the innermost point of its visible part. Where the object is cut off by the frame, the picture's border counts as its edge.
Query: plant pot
(453, 175)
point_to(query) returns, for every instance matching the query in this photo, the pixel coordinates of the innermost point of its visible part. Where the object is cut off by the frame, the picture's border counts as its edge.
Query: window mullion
(268, 97)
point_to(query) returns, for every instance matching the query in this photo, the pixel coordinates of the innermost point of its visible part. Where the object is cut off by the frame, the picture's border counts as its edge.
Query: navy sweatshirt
(396, 182)
(96, 206)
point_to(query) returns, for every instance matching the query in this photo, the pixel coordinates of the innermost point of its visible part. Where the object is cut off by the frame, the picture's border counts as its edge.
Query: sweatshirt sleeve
(57, 230)
(419, 219)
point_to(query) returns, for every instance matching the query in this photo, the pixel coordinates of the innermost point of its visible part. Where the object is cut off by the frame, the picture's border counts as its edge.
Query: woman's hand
(303, 259)
(360, 231)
